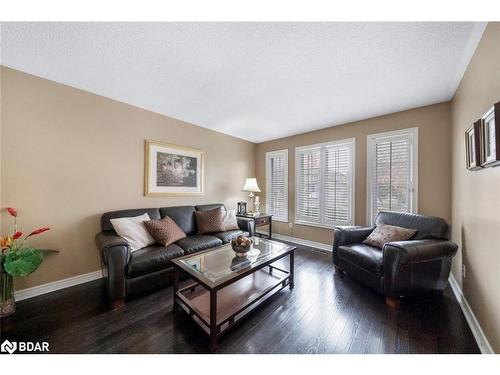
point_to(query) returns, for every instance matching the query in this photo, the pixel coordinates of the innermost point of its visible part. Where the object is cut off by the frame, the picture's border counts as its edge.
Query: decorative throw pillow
(164, 231)
(132, 229)
(229, 220)
(210, 221)
(384, 233)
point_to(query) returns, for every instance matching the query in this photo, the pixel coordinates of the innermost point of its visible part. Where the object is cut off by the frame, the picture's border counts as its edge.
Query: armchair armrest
(420, 264)
(115, 254)
(418, 251)
(247, 225)
(349, 235)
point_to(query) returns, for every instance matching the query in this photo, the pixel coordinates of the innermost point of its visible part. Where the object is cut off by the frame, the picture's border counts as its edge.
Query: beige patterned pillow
(229, 220)
(384, 233)
(164, 231)
(210, 221)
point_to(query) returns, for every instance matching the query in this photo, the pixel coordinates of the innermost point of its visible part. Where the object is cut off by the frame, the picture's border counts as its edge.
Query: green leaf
(22, 262)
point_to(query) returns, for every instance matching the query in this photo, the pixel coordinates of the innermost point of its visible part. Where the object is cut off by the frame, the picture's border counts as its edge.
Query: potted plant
(16, 260)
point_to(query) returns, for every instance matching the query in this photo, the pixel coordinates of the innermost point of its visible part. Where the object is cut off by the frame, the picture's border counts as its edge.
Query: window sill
(280, 220)
(322, 226)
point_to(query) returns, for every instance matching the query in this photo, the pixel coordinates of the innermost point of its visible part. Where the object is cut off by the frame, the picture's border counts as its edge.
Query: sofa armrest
(247, 225)
(115, 254)
(420, 264)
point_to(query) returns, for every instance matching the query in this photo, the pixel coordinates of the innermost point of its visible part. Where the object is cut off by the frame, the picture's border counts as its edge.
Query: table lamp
(252, 187)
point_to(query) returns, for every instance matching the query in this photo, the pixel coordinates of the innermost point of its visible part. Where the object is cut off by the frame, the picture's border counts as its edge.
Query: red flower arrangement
(16, 259)
(17, 235)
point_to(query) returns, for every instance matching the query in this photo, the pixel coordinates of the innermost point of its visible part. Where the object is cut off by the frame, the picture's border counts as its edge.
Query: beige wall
(68, 155)
(434, 168)
(476, 195)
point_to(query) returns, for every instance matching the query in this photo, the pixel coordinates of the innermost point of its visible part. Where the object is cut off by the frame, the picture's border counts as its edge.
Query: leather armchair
(401, 268)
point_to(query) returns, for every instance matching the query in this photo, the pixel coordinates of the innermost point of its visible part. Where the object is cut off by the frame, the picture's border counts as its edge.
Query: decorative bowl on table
(241, 245)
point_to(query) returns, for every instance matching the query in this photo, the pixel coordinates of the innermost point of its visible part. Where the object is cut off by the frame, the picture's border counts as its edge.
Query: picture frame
(172, 170)
(473, 146)
(490, 142)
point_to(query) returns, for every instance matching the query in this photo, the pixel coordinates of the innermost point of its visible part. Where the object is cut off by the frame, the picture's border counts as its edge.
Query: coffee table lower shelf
(233, 302)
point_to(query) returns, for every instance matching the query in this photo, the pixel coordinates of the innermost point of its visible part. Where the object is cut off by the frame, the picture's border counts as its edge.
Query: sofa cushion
(229, 220)
(361, 255)
(209, 221)
(207, 207)
(152, 258)
(133, 230)
(183, 217)
(164, 231)
(106, 225)
(198, 242)
(228, 235)
(384, 233)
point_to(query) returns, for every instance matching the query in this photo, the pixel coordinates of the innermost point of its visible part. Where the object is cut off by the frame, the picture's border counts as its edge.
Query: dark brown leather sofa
(129, 274)
(402, 268)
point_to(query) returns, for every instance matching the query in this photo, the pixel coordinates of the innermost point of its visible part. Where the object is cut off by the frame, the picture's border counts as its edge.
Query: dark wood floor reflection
(325, 313)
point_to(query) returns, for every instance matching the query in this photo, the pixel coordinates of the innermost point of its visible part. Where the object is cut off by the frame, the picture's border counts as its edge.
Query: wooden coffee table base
(217, 310)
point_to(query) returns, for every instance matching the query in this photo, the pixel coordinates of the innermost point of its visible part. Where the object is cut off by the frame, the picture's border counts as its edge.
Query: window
(392, 172)
(277, 184)
(325, 184)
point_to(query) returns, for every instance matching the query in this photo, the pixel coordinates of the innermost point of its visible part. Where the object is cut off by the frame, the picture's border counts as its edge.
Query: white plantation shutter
(337, 185)
(277, 184)
(392, 172)
(325, 189)
(308, 185)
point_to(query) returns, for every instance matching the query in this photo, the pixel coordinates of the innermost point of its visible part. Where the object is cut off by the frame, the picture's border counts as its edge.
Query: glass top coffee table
(227, 287)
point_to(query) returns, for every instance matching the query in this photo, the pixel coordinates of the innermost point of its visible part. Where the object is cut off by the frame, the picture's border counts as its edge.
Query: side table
(260, 221)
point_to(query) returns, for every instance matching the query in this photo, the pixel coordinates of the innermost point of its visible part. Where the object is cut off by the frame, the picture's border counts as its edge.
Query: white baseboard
(300, 241)
(474, 325)
(56, 285)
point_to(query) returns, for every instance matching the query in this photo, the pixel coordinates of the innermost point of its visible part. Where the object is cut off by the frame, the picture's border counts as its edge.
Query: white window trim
(269, 155)
(352, 143)
(370, 176)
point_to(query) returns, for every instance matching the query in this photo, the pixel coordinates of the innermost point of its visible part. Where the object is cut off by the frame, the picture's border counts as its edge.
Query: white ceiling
(256, 81)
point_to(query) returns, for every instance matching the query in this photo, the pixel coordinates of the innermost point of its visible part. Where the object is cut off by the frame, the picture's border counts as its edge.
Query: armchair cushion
(388, 233)
(361, 255)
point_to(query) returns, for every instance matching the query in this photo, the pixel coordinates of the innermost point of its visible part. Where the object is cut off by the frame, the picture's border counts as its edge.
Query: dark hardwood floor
(324, 313)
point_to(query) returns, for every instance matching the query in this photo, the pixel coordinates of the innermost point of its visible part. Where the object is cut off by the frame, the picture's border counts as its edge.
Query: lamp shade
(251, 185)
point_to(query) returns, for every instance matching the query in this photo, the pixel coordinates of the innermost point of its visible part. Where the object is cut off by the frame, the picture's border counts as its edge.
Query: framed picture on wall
(491, 137)
(172, 170)
(473, 146)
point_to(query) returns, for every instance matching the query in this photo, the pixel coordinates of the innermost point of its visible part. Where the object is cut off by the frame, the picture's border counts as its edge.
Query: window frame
(269, 155)
(351, 142)
(371, 142)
